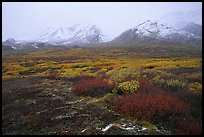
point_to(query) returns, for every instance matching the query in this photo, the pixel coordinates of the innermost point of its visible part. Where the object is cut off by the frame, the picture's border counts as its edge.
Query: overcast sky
(22, 20)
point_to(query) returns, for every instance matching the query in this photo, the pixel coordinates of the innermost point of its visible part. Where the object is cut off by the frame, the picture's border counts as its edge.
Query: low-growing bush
(195, 86)
(92, 87)
(192, 77)
(156, 107)
(147, 87)
(175, 84)
(150, 74)
(167, 76)
(121, 74)
(158, 80)
(127, 87)
(144, 86)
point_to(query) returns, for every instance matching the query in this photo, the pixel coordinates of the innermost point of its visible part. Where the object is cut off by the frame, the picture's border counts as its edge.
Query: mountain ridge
(151, 32)
(148, 32)
(77, 34)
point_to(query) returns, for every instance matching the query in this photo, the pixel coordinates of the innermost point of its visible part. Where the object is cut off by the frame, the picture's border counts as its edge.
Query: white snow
(34, 45)
(13, 47)
(152, 28)
(127, 128)
(107, 127)
(143, 128)
(84, 130)
(119, 126)
(148, 27)
(64, 35)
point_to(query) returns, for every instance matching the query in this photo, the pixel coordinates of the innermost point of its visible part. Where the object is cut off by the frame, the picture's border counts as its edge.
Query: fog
(23, 21)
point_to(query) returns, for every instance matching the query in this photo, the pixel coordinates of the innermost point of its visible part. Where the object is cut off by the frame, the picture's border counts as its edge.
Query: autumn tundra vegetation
(164, 89)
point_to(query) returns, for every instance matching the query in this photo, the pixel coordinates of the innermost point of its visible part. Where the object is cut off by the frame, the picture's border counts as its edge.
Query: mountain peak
(78, 33)
(148, 28)
(156, 32)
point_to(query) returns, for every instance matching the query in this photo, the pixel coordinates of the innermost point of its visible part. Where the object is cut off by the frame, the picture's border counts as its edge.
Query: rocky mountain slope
(154, 32)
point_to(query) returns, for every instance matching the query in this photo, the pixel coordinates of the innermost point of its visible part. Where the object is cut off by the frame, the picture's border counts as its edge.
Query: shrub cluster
(195, 86)
(147, 87)
(150, 74)
(175, 84)
(155, 107)
(92, 87)
(168, 75)
(171, 84)
(128, 87)
(158, 80)
(121, 74)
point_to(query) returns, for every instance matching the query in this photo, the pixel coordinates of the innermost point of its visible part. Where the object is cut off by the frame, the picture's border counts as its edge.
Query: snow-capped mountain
(150, 31)
(76, 34)
(60, 36)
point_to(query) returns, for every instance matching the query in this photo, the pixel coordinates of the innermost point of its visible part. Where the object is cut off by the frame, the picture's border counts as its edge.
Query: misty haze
(102, 68)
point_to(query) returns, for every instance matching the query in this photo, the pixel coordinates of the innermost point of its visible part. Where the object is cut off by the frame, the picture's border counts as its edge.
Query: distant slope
(77, 34)
(150, 32)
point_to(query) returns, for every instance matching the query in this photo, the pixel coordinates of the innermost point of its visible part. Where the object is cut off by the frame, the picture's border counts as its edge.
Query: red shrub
(155, 107)
(92, 87)
(147, 87)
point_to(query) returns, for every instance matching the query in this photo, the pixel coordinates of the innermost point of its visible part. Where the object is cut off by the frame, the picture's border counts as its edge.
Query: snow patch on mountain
(154, 32)
(78, 33)
(149, 28)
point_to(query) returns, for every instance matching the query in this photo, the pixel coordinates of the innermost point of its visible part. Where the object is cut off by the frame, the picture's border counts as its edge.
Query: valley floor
(95, 92)
(35, 105)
